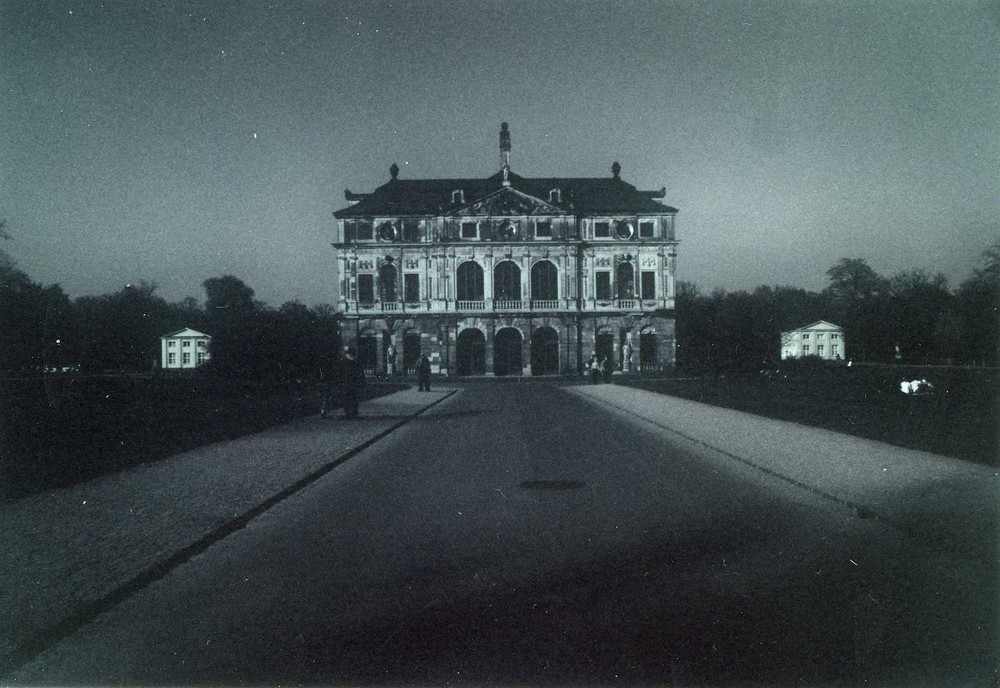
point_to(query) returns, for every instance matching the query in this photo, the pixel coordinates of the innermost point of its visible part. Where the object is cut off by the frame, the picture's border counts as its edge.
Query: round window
(624, 230)
(387, 231)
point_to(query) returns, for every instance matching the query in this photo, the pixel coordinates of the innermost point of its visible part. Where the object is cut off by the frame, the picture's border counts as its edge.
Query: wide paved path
(519, 533)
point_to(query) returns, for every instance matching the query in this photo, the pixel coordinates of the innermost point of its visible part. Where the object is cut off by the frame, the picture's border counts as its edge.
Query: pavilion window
(648, 285)
(411, 232)
(366, 288)
(602, 230)
(602, 284)
(646, 230)
(365, 230)
(411, 287)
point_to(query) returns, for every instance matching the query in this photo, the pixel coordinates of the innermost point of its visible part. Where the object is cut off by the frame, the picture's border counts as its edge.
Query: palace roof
(577, 196)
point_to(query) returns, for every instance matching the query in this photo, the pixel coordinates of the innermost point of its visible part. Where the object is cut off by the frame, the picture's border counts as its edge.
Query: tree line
(42, 329)
(912, 317)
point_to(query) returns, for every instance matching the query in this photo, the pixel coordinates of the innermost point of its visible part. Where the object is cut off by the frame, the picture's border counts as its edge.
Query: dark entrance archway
(647, 351)
(544, 351)
(411, 351)
(605, 347)
(507, 352)
(368, 352)
(470, 352)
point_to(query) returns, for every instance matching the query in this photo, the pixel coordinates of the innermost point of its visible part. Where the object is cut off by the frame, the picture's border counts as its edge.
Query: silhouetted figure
(352, 377)
(424, 373)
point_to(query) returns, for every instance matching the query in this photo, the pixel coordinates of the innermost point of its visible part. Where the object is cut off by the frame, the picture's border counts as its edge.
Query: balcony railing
(508, 305)
(471, 305)
(545, 305)
(389, 306)
(625, 304)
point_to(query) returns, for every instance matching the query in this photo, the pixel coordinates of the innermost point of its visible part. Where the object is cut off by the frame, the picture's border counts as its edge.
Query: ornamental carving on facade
(412, 264)
(649, 262)
(365, 265)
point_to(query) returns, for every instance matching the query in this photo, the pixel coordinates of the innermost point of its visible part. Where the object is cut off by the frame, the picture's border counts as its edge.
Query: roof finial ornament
(505, 152)
(616, 169)
(394, 170)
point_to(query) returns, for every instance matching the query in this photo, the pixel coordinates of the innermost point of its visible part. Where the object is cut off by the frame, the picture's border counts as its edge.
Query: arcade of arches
(511, 346)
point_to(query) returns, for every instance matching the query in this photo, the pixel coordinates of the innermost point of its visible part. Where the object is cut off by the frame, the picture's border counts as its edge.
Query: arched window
(555, 196)
(387, 280)
(457, 196)
(507, 281)
(469, 281)
(544, 281)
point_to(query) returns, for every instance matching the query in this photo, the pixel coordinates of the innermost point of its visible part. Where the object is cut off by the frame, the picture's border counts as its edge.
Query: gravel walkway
(951, 503)
(68, 549)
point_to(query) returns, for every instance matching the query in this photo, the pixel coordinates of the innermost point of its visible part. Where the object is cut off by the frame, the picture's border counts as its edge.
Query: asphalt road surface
(517, 534)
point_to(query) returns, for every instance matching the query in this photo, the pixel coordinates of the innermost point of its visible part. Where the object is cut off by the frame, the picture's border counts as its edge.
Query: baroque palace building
(507, 275)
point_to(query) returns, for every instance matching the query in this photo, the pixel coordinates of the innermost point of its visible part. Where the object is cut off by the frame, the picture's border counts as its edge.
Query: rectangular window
(805, 350)
(805, 336)
(411, 288)
(202, 357)
(364, 230)
(646, 230)
(366, 288)
(603, 285)
(834, 336)
(187, 358)
(202, 343)
(469, 230)
(186, 344)
(648, 285)
(543, 229)
(171, 358)
(171, 344)
(819, 349)
(602, 230)
(411, 232)
(834, 349)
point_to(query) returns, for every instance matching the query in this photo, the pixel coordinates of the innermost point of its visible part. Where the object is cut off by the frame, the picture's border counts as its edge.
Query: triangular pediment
(186, 332)
(507, 201)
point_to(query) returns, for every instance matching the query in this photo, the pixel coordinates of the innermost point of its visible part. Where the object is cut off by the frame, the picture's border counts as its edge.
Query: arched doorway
(648, 360)
(507, 281)
(626, 280)
(368, 352)
(507, 352)
(544, 351)
(387, 280)
(411, 351)
(604, 346)
(470, 352)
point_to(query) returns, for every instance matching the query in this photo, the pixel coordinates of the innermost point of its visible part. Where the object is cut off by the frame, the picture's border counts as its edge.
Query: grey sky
(178, 141)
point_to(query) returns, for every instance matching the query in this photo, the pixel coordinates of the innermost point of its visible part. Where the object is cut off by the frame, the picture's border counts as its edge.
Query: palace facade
(507, 275)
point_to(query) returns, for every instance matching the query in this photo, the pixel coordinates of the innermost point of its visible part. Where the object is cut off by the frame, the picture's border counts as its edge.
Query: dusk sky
(177, 141)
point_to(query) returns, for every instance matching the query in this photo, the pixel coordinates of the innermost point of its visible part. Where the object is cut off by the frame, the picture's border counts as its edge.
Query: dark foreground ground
(521, 535)
(60, 430)
(960, 419)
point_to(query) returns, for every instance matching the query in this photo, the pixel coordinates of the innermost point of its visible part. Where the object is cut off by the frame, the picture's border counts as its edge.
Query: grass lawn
(63, 429)
(960, 419)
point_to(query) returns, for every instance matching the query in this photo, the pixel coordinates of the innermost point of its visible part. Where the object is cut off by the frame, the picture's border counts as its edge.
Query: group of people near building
(351, 376)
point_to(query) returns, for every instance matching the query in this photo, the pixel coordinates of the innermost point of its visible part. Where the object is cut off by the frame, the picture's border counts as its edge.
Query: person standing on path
(352, 376)
(595, 369)
(424, 373)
